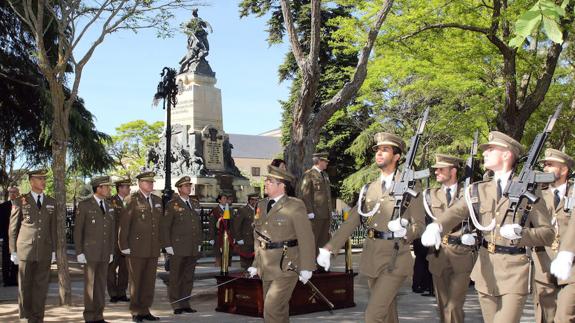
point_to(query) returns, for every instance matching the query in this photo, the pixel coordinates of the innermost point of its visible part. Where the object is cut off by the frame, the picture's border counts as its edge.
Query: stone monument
(199, 146)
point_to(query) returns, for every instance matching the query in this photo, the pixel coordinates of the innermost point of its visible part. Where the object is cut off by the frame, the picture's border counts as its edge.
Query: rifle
(469, 166)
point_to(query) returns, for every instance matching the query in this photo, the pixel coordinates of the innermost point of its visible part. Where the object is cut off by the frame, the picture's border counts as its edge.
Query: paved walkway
(412, 307)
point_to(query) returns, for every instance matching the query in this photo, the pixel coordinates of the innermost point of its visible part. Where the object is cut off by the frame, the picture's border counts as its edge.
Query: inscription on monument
(213, 148)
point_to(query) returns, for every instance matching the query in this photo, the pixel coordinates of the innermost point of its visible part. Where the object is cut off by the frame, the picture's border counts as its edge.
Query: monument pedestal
(245, 295)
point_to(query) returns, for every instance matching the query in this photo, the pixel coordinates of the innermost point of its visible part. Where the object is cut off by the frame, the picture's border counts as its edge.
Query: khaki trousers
(142, 283)
(95, 273)
(181, 280)
(505, 308)
(566, 304)
(277, 294)
(450, 290)
(382, 306)
(545, 299)
(320, 228)
(118, 276)
(33, 280)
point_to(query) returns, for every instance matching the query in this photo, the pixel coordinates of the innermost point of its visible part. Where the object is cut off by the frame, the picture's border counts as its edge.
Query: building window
(255, 171)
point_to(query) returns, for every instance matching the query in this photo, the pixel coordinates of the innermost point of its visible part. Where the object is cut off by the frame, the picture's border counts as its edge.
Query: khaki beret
(100, 181)
(123, 181)
(442, 160)
(321, 155)
(184, 180)
(42, 172)
(558, 156)
(146, 176)
(500, 139)
(279, 173)
(385, 138)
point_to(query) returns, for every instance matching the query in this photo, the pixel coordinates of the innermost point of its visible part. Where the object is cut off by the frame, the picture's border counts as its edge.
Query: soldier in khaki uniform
(385, 266)
(118, 268)
(243, 231)
(501, 272)
(546, 287)
(283, 239)
(139, 239)
(315, 191)
(94, 229)
(182, 239)
(32, 240)
(451, 265)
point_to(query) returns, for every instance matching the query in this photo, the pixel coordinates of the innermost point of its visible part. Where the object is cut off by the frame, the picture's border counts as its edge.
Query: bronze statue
(198, 46)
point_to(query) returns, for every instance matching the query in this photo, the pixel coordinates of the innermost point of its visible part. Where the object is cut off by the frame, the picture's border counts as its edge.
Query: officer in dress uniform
(182, 239)
(284, 245)
(501, 272)
(386, 258)
(118, 269)
(315, 191)
(32, 239)
(139, 240)
(243, 231)
(94, 233)
(451, 265)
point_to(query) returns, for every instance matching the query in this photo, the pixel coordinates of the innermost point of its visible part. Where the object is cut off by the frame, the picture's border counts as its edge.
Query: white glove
(14, 258)
(240, 242)
(431, 236)
(53, 257)
(125, 251)
(400, 233)
(111, 259)
(252, 271)
(310, 216)
(304, 276)
(397, 224)
(323, 258)
(170, 250)
(468, 239)
(561, 266)
(212, 242)
(511, 231)
(81, 258)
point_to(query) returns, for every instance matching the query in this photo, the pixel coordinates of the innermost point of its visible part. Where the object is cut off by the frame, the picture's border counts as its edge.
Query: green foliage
(545, 13)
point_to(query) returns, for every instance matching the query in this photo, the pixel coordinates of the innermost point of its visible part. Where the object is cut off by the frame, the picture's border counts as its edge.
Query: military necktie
(499, 190)
(102, 207)
(270, 205)
(38, 202)
(188, 204)
(448, 195)
(556, 199)
(149, 201)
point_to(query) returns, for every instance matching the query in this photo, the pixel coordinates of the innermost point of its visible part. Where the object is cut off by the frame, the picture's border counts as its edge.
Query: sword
(216, 286)
(314, 289)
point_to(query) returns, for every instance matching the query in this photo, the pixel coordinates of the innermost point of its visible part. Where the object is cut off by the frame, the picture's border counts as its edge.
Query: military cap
(183, 180)
(100, 181)
(321, 155)
(442, 160)
(558, 156)
(253, 195)
(279, 173)
(146, 176)
(500, 139)
(42, 172)
(123, 181)
(386, 138)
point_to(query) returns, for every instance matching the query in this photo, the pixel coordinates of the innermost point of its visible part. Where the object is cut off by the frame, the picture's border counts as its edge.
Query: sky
(120, 80)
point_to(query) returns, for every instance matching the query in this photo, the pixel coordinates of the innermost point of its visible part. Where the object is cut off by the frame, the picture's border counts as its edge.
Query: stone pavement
(412, 307)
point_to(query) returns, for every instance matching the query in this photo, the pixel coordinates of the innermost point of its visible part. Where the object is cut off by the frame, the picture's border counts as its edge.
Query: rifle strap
(475, 198)
(525, 214)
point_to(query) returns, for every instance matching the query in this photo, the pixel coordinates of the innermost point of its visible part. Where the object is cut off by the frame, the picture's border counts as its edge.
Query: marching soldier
(216, 229)
(386, 258)
(33, 239)
(451, 265)
(94, 233)
(139, 239)
(182, 239)
(501, 273)
(315, 191)
(118, 269)
(284, 245)
(243, 231)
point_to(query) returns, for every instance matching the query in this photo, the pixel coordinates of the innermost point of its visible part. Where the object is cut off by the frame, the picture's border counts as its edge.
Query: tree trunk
(298, 153)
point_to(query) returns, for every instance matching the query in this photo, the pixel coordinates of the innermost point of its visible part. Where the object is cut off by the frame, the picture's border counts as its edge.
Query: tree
(74, 21)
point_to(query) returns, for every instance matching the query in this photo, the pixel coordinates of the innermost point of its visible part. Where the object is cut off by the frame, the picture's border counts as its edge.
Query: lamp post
(167, 90)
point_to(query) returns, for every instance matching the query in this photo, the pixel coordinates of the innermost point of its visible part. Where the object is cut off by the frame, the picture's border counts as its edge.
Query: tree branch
(476, 29)
(292, 34)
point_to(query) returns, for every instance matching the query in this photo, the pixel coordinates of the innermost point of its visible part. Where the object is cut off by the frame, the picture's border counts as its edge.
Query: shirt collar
(97, 199)
(504, 177)
(185, 200)
(316, 168)
(561, 188)
(278, 198)
(35, 196)
(145, 196)
(386, 179)
(453, 188)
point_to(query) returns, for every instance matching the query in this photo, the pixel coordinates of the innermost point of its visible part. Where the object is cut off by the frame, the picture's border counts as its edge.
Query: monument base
(245, 295)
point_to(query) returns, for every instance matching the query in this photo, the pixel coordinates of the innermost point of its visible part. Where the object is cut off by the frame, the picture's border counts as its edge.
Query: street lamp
(167, 90)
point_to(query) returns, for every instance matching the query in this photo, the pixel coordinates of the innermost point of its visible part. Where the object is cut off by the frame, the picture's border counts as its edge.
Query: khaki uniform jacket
(242, 225)
(287, 220)
(140, 226)
(460, 257)
(377, 253)
(94, 231)
(182, 228)
(315, 191)
(118, 205)
(32, 232)
(498, 274)
(567, 236)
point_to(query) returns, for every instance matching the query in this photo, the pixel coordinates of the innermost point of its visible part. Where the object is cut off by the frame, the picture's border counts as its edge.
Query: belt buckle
(445, 239)
(263, 245)
(555, 245)
(370, 233)
(491, 247)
